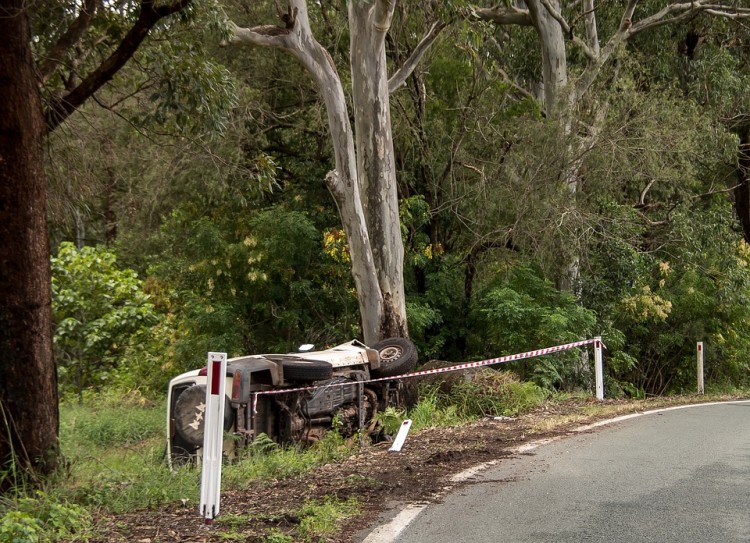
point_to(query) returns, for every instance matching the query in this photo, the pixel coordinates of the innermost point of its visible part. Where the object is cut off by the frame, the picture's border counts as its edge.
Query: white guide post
(700, 366)
(401, 436)
(598, 368)
(213, 436)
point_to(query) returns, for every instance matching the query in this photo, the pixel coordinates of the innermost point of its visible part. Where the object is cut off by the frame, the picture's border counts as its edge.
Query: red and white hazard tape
(468, 365)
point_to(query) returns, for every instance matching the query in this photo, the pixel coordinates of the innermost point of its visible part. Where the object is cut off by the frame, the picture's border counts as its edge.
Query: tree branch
(61, 108)
(503, 16)
(71, 36)
(591, 72)
(406, 69)
(382, 16)
(261, 36)
(592, 33)
(686, 10)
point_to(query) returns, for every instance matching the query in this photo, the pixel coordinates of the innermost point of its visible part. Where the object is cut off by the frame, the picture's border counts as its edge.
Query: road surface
(680, 475)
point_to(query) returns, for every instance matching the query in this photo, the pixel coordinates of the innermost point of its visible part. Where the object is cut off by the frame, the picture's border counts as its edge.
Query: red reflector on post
(215, 377)
(236, 381)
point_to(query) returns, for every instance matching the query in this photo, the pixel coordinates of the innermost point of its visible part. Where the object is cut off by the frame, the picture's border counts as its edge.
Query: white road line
(387, 533)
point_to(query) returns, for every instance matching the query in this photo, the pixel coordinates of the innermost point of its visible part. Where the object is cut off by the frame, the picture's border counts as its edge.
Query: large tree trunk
(28, 387)
(363, 183)
(554, 62)
(376, 165)
(297, 40)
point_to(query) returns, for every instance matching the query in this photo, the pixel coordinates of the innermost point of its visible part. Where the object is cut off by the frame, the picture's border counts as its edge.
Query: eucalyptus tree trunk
(556, 33)
(554, 62)
(363, 183)
(368, 25)
(297, 39)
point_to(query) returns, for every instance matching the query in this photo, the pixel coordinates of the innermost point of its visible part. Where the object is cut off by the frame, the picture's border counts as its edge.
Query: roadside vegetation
(196, 205)
(114, 447)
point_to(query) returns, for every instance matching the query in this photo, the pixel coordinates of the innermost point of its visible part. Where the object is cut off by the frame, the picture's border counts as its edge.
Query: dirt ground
(381, 481)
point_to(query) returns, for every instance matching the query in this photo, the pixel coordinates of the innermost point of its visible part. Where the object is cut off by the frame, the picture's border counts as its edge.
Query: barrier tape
(467, 365)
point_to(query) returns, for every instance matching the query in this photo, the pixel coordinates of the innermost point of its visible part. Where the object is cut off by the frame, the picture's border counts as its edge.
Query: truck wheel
(189, 414)
(306, 370)
(397, 355)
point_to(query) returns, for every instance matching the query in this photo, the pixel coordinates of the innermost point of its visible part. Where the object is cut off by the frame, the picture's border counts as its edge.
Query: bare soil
(379, 480)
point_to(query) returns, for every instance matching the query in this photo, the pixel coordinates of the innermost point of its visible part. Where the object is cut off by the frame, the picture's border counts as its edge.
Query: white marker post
(401, 436)
(213, 436)
(598, 368)
(700, 367)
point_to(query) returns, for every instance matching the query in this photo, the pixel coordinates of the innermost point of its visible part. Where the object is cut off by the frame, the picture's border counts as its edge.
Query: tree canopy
(495, 175)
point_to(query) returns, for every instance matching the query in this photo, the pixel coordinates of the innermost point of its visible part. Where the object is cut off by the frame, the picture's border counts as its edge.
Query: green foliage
(193, 92)
(114, 446)
(487, 393)
(494, 393)
(319, 519)
(188, 89)
(520, 311)
(125, 418)
(100, 311)
(266, 459)
(390, 419)
(697, 291)
(254, 283)
(42, 519)
(430, 412)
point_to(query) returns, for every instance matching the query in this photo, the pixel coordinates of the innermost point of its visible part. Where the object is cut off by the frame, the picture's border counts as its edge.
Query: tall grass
(494, 393)
(114, 449)
(265, 459)
(488, 393)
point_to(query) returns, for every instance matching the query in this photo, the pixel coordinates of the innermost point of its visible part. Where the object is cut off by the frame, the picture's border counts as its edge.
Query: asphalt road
(676, 476)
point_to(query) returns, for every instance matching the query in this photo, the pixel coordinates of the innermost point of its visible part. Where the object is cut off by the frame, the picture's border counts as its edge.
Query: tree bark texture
(554, 62)
(28, 383)
(376, 164)
(363, 184)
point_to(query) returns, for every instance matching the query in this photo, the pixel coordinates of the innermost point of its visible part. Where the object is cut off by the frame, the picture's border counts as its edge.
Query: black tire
(189, 415)
(397, 356)
(306, 370)
(180, 452)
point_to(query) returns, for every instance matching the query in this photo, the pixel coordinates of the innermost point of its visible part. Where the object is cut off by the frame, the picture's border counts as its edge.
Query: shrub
(99, 311)
(41, 519)
(492, 393)
(521, 311)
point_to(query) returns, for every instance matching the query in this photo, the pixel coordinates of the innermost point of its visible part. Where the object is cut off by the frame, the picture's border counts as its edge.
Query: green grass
(266, 460)
(38, 517)
(489, 393)
(114, 449)
(114, 446)
(321, 518)
(317, 519)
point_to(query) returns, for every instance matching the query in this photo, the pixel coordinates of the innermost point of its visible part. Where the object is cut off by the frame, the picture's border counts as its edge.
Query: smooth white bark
(363, 183)
(342, 182)
(376, 167)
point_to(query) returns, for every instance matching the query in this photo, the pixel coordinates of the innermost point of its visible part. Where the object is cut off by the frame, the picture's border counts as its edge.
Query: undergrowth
(114, 450)
(487, 393)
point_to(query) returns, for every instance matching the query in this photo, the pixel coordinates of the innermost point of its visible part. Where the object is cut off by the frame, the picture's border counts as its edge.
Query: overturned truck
(294, 397)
